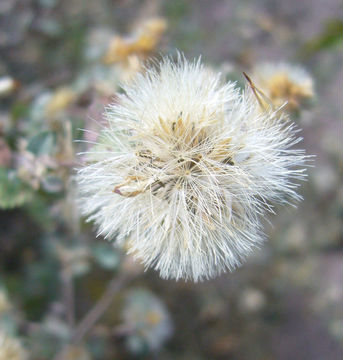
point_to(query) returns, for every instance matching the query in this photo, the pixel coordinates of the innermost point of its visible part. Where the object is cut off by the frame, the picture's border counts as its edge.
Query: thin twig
(99, 308)
(94, 315)
(68, 289)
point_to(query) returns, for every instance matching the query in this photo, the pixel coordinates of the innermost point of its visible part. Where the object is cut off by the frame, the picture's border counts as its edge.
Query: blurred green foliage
(13, 191)
(331, 36)
(285, 303)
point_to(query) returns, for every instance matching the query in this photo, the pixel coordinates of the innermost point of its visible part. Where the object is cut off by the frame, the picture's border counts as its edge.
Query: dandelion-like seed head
(186, 168)
(284, 83)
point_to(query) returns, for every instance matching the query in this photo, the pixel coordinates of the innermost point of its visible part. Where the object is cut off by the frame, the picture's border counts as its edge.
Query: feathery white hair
(185, 169)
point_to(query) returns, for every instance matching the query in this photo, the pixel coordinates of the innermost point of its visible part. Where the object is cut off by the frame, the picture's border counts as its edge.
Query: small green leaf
(42, 143)
(13, 192)
(106, 256)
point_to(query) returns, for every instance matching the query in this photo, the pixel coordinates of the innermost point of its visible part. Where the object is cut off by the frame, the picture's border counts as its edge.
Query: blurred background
(65, 294)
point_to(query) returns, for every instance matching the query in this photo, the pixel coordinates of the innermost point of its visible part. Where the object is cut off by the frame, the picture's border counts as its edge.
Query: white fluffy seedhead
(284, 83)
(185, 169)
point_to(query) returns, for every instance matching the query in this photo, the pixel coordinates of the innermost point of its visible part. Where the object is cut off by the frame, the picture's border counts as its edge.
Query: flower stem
(94, 315)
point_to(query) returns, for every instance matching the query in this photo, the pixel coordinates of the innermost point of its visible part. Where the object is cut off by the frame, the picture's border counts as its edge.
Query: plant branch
(100, 307)
(68, 294)
(94, 315)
